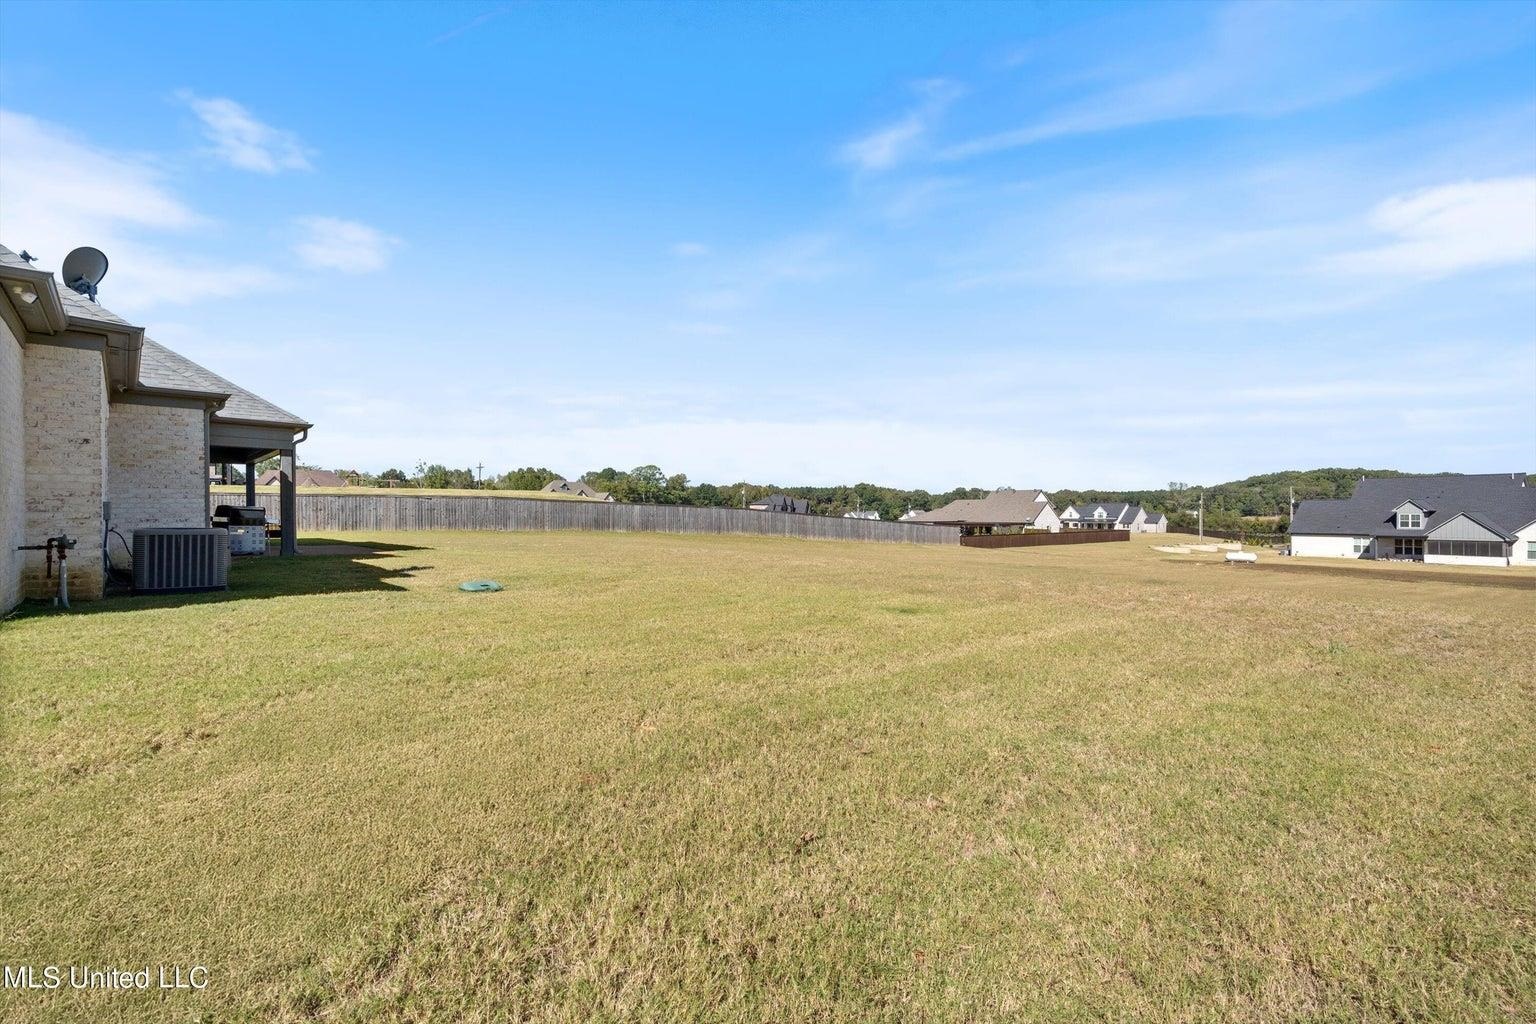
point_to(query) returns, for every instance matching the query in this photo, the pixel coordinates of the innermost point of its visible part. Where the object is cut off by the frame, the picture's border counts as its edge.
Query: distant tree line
(649, 484)
(1239, 504)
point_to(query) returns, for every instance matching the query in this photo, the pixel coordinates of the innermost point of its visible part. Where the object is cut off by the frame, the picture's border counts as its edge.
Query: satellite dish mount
(83, 270)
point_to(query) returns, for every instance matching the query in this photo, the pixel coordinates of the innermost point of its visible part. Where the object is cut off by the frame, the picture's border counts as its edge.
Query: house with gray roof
(1112, 515)
(1480, 519)
(577, 489)
(781, 503)
(102, 429)
(304, 478)
(1004, 510)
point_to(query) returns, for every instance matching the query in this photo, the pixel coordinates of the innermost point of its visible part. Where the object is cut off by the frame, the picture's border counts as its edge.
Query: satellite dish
(83, 270)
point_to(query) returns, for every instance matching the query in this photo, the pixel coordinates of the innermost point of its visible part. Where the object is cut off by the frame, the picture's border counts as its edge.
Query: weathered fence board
(323, 513)
(1033, 540)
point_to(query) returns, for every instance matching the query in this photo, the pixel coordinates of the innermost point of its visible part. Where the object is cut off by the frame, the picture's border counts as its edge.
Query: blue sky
(1030, 244)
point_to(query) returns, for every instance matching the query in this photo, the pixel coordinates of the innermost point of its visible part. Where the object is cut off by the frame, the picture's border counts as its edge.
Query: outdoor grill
(239, 515)
(246, 525)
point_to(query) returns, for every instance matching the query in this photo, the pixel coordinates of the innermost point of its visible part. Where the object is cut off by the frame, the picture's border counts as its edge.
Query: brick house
(102, 428)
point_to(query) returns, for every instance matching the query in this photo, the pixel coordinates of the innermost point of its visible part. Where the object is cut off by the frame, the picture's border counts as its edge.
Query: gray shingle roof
(159, 367)
(1500, 501)
(576, 487)
(1114, 511)
(8, 258)
(782, 503)
(997, 507)
(82, 308)
(304, 478)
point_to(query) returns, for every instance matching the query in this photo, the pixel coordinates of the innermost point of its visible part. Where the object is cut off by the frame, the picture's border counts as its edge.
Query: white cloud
(1450, 228)
(330, 243)
(885, 147)
(47, 167)
(242, 141)
(62, 192)
(689, 250)
(1256, 60)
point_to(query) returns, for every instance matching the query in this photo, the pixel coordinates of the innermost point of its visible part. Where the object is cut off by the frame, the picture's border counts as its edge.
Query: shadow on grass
(349, 542)
(259, 578)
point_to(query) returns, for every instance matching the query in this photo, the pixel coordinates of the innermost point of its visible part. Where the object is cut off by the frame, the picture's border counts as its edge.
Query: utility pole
(743, 497)
(480, 476)
(1202, 515)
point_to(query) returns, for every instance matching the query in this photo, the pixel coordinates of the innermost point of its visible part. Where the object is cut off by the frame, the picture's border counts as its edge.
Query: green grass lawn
(667, 778)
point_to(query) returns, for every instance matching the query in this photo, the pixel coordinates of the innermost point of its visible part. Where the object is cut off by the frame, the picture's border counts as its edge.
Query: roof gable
(1010, 507)
(1478, 520)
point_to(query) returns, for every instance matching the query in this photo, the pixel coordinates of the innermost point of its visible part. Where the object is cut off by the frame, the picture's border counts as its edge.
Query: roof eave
(215, 398)
(295, 425)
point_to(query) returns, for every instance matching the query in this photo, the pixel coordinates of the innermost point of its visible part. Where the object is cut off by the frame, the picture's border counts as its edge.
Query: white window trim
(1410, 520)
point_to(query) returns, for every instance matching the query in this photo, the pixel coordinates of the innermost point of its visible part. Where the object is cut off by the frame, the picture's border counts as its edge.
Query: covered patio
(243, 428)
(245, 443)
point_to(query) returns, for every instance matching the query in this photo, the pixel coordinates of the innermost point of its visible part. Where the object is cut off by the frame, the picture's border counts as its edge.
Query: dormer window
(1098, 513)
(1413, 520)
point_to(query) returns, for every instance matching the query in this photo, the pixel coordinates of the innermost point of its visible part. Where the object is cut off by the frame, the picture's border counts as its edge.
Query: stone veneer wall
(157, 468)
(13, 508)
(64, 408)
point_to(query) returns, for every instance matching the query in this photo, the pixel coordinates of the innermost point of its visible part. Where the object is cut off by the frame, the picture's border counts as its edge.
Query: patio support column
(250, 483)
(287, 504)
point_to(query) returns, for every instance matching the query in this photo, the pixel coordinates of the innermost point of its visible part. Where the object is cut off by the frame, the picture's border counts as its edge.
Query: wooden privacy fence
(1032, 540)
(323, 513)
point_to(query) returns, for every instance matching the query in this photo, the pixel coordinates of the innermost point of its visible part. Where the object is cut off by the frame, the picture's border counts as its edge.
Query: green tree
(707, 495)
(438, 476)
(528, 478)
(644, 484)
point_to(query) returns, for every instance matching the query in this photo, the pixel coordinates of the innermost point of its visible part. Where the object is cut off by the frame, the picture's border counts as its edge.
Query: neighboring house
(577, 488)
(782, 503)
(1487, 519)
(864, 514)
(93, 412)
(1028, 509)
(305, 478)
(1112, 515)
(908, 516)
